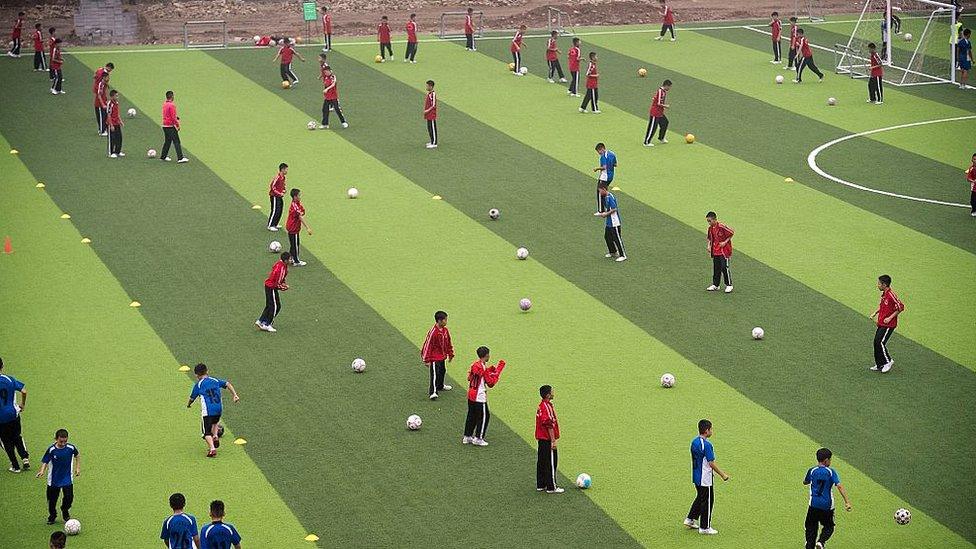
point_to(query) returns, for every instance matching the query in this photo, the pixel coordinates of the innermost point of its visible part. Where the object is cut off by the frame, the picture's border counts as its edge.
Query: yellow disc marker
(65, 216)
(184, 368)
(240, 441)
(14, 151)
(615, 189)
(311, 537)
(135, 304)
(255, 207)
(436, 197)
(39, 185)
(788, 180)
(86, 240)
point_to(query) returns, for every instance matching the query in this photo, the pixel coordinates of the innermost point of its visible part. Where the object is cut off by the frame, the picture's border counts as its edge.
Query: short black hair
(430, 83)
(666, 83)
(545, 390)
(282, 166)
(775, 14)
(966, 32)
(885, 279)
(61, 433)
(704, 425)
(483, 351)
(37, 26)
(113, 92)
(799, 31)
(470, 10)
(824, 454)
(110, 65)
(177, 501)
(325, 8)
(20, 14)
(711, 215)
(58, 539)
(384, 17)
(440, 315)
(412, 15)
(576, 40)
(200, 369)
(285, 256)
(295, 191)
(599, 146)
(169, 94)
(553, 33)
(51, 30)
(217, 508)
(871, 46)
(591, 54)
(793, 19)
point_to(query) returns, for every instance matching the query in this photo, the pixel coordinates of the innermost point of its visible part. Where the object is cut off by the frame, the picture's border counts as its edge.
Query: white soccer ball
(359, 365)
(353, 192)
(72, 527)
(524, 70)
(414, 422)
(667, 381)
(758, 333)
(908, 38)
(257, 39)
(494, 213)
(311, 125)
(903, 516)
(151, 153)
(779, 78)
(274, 247)
(525, 304)
(131, 113)
(522, 253)
(583, 481)
(831, 101)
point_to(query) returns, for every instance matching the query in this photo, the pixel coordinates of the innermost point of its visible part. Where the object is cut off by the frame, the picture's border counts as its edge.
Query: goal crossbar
(219, 25)
(449, 30)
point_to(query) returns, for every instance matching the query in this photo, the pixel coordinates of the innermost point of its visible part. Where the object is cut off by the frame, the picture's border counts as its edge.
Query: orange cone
(7, 246)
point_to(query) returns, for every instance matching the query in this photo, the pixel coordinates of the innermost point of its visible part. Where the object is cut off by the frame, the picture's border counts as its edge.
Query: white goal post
(559, 21)
(452, 24)
(914, 38)
(814, 10)
(205, 34)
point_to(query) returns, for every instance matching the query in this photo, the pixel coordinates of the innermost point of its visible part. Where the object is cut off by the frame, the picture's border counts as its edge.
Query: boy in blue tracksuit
(208, 389)
(179, 529)
(703, 470)
(219, 534)
(822, 479)
(611, 233)
(608, 163)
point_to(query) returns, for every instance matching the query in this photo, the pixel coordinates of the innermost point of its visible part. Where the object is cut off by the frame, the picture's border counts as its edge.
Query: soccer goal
(915, 39)
(204, 34)
(558, 20)
(452, 24)
(813, 10)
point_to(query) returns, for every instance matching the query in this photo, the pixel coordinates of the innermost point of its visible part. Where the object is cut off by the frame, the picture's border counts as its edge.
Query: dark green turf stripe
(823, 36)
(740, 126)
(811, 371)
(332, 443)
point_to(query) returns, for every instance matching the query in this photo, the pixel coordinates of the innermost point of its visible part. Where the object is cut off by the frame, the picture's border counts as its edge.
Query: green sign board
(309, 10)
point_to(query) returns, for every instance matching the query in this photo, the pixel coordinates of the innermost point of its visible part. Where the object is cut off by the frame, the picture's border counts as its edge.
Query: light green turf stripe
(749, 72)
(94, 366)
(380, 247)
(798, 237)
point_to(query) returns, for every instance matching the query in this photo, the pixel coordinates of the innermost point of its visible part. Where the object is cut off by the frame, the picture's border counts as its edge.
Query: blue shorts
(965, 64)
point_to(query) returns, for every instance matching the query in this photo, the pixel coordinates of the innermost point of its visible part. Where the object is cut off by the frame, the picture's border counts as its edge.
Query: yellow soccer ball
(285, 84)
(378, 59)
(689, 139)
(511, 67)
(642, 72)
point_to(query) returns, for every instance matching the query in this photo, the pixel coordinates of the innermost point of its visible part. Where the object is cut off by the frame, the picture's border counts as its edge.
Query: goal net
(913, 37)
(812, 10)
(205, 34)
(558, 20)
(452, 24)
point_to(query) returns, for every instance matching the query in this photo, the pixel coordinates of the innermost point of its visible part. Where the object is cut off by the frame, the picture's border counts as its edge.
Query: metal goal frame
(223, 34)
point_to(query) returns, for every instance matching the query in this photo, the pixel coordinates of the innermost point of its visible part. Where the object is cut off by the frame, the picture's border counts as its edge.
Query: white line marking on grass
(767, 33)
(812, 161)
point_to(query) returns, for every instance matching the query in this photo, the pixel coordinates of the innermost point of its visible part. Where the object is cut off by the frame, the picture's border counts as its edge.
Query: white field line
(438, 40)
(812, 161)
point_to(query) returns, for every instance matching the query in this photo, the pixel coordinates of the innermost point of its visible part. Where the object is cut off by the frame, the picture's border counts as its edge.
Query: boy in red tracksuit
(114, 126)
(15, 35)
(287, 53)
(481, 377)
(383, 35)
(516, 49)
(56, 62)
(51, 31)
(276, 192)
(875, 85)
(430, 114)
(667, 20)
(330, 94)
(776, 28)
(971, 178)
(327, 28)
(719, 238)
(552, 58)
(887, 314)
(791, 62)
(574, 56)
(436, 350)
(296, 218)
(592, 86)
(469, 30)
(100, 92)
(272, 285)
(40, 63)
(547, 433)
(411, 39)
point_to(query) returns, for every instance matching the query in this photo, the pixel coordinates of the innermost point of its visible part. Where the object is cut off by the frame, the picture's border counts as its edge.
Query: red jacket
(468, 25)
(657, 103)
(716, 234)
(114, 118)
(971, 177)
(383, 30)
(545, 419)
(411, 31)
(876, 67)
(331, 90)
(276, 278)
(889, 304)
(17, 28)
(482, 372)
(170, 120)
(327, 23)
(552, 50)
(574, 56)
(437, 345)
(56, 59)
(101, 92)
(38, 41)
(430, 106)
(277, 187)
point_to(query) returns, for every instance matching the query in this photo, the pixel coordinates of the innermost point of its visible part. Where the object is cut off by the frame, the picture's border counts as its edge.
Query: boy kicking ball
(208, 389)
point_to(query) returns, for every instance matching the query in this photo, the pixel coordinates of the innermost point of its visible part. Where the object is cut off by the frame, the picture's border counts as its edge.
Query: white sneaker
(273, 229)
(295, 82)
(577, 95)
(874, 368)
(887, 367)
(54, 92)
(113, 155)
(556, 490)
(183, 160)
(434, 397)
(663, 141)
(121, 154)
(728, 289)
(12, 470)
(540, 489)
(581, 108)
(621, 258)
(773, 61)
(879, 102)
(479, 442)
(167, 159)
(406, 60)
(258, 323)
(430, 145)
(413, 62)
(973, 214)
(269, 328)
(707, 531)
(323, 127)
(104, 134)
(518, 74)
(673, 39)
(563, 80)
(818, 546)
(447, 387)
(345, 124)
(691, 523)
(550, 80)
(711, 288)
(608, 255)
(596, 111)
(467, 440)
(658, 37)
(62, 92)
(648, 144)
(795, 81)
(299, 264)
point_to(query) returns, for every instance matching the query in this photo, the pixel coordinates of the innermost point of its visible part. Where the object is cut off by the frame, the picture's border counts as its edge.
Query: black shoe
(66, 516)
(26, 465)
(50, 520)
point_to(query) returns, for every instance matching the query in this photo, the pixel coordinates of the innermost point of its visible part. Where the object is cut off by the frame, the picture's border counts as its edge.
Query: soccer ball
(522, 253)
(511, 67)
(524, 70)
(353, 192)
(583, 481)
(414, 422)
(298, 39)
(903, 516)
(131, 113)
(758, 333)
(151, 153)
(378, 59)
(667, 381)
(831, 101)
(359, 365)
(779, 78)
(72, 527)
(690, 138)
(908, 38)
(274, 247)
(311, 125)
(525, 304)
(494, 213)
(285, 84)
(257, 39)
(642, 72)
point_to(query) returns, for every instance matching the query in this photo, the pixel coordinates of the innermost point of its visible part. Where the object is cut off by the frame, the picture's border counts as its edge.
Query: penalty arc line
(812, 161)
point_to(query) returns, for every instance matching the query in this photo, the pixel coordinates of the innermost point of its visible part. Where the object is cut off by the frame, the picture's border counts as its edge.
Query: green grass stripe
(679, 187)
(565, 239)
(94, 366)
(482, 293)
(333, 444)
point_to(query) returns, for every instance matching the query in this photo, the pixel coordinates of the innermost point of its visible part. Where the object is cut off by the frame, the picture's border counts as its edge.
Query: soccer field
(327, 452)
